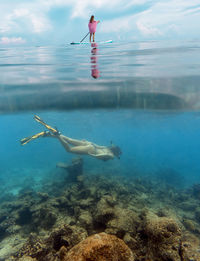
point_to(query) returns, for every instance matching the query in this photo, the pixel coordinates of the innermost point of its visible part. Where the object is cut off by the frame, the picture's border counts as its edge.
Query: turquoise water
(142, 96)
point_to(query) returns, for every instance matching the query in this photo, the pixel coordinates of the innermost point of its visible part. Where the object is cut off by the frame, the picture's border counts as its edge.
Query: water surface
(155, 75)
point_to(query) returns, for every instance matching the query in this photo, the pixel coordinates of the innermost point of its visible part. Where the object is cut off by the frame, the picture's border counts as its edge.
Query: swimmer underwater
(81, 147)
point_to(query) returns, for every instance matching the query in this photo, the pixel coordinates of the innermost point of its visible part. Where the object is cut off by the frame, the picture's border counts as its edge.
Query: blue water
(142, 96)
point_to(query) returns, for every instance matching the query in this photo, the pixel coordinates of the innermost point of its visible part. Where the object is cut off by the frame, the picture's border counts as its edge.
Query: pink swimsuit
(92, 27)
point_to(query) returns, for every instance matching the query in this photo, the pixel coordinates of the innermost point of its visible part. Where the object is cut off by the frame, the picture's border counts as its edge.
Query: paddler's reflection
(94, 66)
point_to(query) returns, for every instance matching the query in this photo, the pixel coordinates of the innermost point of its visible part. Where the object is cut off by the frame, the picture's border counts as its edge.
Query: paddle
(82, 39)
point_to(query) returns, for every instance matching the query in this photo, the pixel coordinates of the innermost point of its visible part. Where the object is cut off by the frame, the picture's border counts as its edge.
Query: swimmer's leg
(64, 139)
(77, 149)
(81, 149)
(73, 142)
(68, 148)
(93, 36)
(90, 36)
(88, 149)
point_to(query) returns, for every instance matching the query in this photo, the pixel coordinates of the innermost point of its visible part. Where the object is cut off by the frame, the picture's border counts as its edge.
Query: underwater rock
(67, 236)
(164, 212)
(34, 248)
(47, 249)
(44, 218)
(191, 247)
(99, 247)
(163, 237)
(43, 196)
(9, 246)
(112, 219)
(85, 203)
(85, 219)
(196, 191)
(24, 216)
(189, 224)
(188, 205)
(75, 169)
(7, 227)
(102, 214)
(27, 258)
(124, 221)
(3, 215)
(38, 216)
(130, 241)
(197, 214)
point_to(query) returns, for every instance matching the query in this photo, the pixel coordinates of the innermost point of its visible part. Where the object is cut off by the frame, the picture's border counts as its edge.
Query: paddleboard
(102, 42)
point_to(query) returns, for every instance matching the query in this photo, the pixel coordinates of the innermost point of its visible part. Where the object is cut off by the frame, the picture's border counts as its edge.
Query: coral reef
(163, 237)
(155, 221)
(98, 247)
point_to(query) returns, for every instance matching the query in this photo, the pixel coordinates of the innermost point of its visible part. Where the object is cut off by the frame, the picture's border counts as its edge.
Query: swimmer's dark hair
(91, 18)
(116, 150)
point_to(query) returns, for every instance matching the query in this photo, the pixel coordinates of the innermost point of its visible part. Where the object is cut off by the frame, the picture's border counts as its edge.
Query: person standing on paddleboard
(92, 27)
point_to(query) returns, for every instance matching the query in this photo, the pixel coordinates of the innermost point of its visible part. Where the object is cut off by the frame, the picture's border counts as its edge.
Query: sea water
(141, 96)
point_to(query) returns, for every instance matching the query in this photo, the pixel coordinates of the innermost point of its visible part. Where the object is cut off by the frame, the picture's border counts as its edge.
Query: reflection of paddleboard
(109, 41)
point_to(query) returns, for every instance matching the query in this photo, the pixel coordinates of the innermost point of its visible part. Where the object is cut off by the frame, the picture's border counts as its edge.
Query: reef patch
(151, 220)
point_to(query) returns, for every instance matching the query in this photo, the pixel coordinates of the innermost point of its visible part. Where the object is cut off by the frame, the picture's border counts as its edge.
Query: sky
(56, 22)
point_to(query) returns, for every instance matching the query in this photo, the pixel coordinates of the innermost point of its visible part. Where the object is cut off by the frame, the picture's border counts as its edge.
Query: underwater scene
(99, 149)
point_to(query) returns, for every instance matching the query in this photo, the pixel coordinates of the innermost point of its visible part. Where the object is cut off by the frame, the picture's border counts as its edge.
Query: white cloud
(147, 29)
(87, 7)
(192, 11)
(117, 25)
(4, 27)
(132, 3)
(39, 25)
(12, 40)
(36, 21)
(29, 19)
(161, 18)
(20, 12)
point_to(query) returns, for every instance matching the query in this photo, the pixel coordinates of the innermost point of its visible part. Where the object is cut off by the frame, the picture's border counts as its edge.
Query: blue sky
(42, 22)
